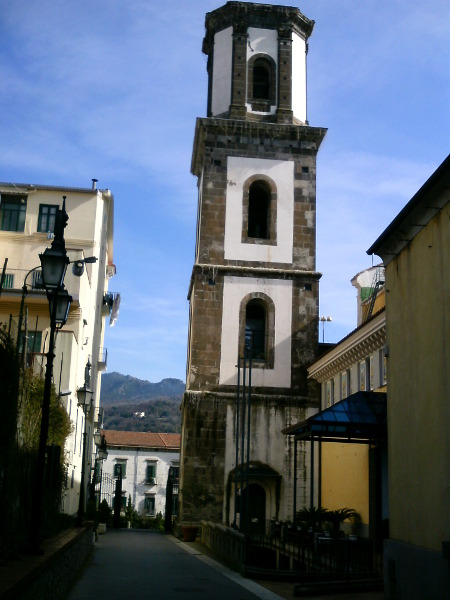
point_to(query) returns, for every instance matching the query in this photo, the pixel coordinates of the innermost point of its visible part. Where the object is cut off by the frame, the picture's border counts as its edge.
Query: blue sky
(111, 90)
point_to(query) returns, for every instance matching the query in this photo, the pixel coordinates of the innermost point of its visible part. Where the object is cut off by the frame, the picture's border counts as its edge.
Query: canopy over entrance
(360, 418)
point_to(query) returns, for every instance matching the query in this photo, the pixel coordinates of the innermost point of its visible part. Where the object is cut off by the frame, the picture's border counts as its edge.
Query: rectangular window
(47, 216)
(150, 473)
(175, 505)
(33, 345)
(175, 470)
(370, 369)
(344, 385)
(13, 210)
(362, 376)
(8, 281)
(36, 279)
(382, 366)
(330, 392)
(120, 468)
(149, 505)
(349, 382)
(123, 500)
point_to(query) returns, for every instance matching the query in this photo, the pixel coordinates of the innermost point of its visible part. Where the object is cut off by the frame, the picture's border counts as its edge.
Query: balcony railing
(98, 419)
(108, 302)
(102, 359)
(14, 279)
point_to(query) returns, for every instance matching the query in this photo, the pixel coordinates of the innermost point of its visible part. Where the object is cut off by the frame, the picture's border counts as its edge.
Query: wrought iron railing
(315, 556)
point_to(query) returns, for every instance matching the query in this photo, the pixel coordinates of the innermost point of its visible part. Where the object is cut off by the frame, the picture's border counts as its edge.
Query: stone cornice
(352, 349)
(246, 271)
(193, 398)
(248, 14)
(304, 135)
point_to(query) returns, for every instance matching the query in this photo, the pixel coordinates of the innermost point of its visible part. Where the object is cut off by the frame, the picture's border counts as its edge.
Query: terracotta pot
(189, 533)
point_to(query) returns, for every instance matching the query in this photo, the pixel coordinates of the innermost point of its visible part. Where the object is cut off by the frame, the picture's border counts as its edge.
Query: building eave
(415, 215)
(354, 347)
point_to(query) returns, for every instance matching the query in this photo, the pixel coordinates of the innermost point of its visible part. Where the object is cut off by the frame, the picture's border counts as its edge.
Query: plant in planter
(195, 496)
(312, 517)
(104, 516)
(338, 516)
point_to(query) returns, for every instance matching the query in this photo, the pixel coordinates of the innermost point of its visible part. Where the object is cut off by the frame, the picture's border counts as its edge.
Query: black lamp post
(102, 454)
(54, 263)
(84, 395)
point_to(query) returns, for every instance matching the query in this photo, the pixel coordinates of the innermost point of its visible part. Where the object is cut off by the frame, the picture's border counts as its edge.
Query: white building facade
(145, 460)
(27, 219)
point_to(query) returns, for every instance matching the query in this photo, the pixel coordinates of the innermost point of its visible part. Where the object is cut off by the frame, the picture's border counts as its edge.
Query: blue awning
(360, 418)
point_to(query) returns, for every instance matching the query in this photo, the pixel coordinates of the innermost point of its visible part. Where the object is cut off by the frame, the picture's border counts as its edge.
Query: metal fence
(315, 556)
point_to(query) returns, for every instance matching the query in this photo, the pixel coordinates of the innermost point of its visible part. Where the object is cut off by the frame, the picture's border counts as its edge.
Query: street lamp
(102, 454)
(54, 263)
(324, 320)
(84, 395)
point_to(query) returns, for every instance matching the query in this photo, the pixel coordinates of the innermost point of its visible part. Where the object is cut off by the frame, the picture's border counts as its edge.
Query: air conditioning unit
(151, 480)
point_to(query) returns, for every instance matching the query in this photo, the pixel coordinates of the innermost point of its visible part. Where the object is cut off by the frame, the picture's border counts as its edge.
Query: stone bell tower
(255, 258)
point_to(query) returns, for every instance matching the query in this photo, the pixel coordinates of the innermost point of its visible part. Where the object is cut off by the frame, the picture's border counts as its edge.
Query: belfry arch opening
(255, 328)
(261, 79)
(259, 211)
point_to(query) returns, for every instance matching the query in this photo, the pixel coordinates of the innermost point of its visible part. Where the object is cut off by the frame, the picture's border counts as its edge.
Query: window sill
(258, 241)
(260, 105)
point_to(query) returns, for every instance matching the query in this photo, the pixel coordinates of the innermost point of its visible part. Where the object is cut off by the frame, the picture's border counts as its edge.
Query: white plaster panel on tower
(222, 67)
(299, 77)
(235, 289)
(262, 41)
(281, 172)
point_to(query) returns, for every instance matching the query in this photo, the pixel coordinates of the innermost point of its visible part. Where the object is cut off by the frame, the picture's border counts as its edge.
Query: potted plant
(313, 517)
(104, 516)
(338, 516)
(195, 496)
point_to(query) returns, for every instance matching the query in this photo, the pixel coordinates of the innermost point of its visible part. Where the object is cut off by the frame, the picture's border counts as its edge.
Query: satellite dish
(78, 268)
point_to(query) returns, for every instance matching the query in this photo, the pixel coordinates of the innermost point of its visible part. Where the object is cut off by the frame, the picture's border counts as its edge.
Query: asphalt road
(129, 563)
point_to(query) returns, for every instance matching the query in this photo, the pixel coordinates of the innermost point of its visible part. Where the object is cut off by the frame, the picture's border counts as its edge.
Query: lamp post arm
(22, 304)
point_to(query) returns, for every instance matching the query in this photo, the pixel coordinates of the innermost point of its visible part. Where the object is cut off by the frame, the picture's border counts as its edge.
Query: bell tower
(254, 274)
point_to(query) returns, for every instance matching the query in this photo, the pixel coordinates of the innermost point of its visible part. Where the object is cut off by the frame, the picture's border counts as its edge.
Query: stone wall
(227, 543)
(52, 574)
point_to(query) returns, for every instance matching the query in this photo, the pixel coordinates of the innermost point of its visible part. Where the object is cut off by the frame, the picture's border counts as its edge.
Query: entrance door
(257, 509)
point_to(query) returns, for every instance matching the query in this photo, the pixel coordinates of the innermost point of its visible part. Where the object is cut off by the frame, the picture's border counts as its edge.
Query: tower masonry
(254, 274)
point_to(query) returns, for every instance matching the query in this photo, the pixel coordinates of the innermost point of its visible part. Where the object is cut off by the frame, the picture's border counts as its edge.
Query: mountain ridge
(132, 404)
(125, 389)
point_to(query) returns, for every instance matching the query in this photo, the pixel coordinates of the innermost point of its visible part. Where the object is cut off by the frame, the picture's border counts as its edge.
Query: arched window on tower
(261, 79)
(259, 211)
(255, 328)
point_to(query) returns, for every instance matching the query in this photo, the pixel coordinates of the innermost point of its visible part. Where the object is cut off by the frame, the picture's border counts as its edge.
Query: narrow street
(146, 564)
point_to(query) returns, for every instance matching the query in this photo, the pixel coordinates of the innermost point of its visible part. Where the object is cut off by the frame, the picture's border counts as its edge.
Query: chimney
(94, 184)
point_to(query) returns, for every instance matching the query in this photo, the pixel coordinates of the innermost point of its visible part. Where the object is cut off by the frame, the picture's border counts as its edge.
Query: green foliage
(142, 522)
(10, 465)
(312, 517)
(121, 389)
(338, 516)
(130, 513)
(32, 393)
(162, 415)
(316, 517)
(104, 512)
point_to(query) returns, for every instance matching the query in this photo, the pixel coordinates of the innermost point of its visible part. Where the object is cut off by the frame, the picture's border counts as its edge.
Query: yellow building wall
(418, 319)
(345, 477)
